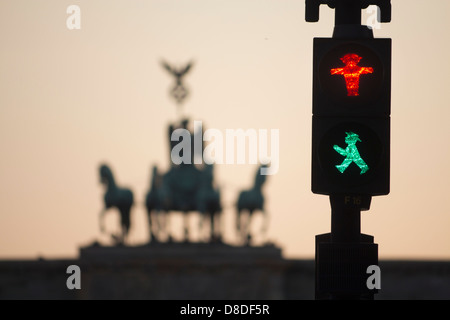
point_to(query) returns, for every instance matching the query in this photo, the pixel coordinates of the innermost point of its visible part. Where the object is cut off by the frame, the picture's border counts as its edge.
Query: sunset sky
(73, 99)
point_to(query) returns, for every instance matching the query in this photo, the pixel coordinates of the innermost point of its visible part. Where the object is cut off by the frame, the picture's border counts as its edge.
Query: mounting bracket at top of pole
(348, 14)
(347, 11)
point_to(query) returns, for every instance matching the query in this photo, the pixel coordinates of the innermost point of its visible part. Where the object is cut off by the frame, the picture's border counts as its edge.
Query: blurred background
(72, 99)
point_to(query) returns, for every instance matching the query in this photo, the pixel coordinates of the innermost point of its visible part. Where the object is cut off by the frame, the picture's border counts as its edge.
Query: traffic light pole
(342, 256)
(345, 219)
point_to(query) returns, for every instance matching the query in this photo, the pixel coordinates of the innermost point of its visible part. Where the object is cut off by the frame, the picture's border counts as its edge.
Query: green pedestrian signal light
(351, 154)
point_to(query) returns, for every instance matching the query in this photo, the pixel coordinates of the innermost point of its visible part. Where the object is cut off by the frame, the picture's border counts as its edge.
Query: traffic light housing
(351, 116)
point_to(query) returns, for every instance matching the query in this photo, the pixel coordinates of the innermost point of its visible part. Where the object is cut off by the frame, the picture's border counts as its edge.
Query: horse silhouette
(156, 208)
(208, 204)
(185, 189)
(250, 201)
(119, 198)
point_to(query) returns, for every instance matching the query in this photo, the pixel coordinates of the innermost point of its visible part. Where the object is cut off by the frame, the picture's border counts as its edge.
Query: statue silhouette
(179, 91)
(208, 204)
(248, 202)
(175, 190)
(154, 206)
(177, 73)
(119, 198)
(184, 188)
(179, 192)
(182, 182)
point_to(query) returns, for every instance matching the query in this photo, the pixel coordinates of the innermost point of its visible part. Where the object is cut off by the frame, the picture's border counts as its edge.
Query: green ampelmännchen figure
(351, 153)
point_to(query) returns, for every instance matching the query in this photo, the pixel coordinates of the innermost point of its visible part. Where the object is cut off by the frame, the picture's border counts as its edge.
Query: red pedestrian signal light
(351, 72)
(351, 77)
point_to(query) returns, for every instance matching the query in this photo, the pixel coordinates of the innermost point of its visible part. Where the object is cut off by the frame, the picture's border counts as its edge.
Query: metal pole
(345, 223)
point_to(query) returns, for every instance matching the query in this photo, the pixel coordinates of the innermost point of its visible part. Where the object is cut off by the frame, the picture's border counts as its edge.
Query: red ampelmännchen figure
(351, 72)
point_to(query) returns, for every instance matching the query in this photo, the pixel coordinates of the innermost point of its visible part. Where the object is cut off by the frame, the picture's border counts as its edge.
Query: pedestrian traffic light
(351, 116)
(350, 142)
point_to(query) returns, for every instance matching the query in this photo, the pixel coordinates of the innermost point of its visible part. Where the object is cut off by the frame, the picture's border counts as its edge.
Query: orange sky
(71, 99)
